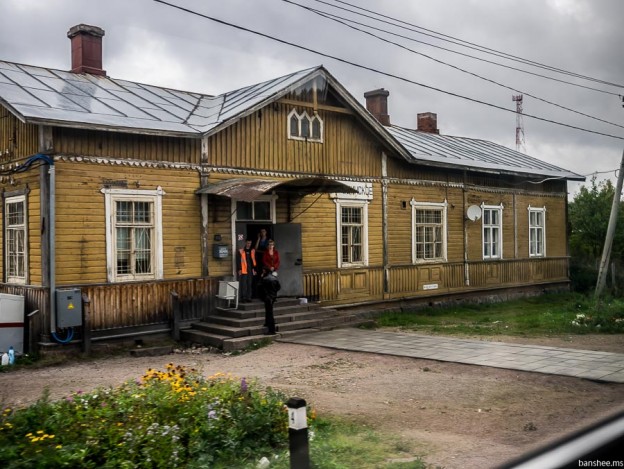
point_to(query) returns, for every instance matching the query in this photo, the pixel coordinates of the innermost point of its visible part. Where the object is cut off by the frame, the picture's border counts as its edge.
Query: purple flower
(212, 414)
(69, 399)
(243, 385)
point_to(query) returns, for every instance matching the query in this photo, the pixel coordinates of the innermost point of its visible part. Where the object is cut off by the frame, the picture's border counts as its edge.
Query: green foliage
(589, 218)
(536, 316)
(174, 418)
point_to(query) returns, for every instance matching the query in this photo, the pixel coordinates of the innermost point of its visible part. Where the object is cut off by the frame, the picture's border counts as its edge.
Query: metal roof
(249, 189)
(39, 95)
(54, 97)
(473, 154)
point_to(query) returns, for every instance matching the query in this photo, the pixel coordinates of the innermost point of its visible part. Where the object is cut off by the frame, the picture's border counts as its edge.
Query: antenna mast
(520, 145)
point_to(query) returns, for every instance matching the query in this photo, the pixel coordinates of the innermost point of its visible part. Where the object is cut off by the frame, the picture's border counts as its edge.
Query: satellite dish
(473, 213)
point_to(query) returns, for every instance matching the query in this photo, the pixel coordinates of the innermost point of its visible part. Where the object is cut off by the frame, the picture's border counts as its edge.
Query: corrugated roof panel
(91, 89)
(126, 109)
(133, 99)
(56, 100)
(61, 86)
(37, 71)
(104, 82)
(149, 96)
(108, 121)
(162, 115)
(177, 111)
(24, 79)
(15, 96)
(473, 154)
(4, 79)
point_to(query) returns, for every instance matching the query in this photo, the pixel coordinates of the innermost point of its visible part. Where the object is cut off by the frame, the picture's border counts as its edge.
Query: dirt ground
(453, 415)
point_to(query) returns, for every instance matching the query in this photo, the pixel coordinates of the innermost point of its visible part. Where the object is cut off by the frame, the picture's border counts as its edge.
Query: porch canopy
(249, 189)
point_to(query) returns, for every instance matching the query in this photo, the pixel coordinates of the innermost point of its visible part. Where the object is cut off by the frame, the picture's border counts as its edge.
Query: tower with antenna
(520, 146)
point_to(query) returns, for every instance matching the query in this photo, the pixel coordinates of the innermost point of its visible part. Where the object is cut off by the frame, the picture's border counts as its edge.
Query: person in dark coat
(268, 288)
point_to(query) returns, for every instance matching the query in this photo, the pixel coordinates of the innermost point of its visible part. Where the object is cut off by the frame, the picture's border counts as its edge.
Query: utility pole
(606, 252)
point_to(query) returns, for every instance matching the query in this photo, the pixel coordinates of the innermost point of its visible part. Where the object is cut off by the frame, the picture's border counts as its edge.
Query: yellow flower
(59, 446)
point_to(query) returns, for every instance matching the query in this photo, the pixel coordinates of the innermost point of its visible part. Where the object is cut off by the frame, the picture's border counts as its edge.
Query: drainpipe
(52, 233)
(384, 216)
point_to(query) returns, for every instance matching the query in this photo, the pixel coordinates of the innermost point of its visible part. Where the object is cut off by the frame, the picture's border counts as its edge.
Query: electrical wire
(446, 63)
(380, 72)
(462, 43)
(39, 157)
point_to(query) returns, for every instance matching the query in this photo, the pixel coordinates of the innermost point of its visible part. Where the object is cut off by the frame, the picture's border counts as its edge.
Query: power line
(462, 43)
(334, 18)
(461, 53)
(374, 70)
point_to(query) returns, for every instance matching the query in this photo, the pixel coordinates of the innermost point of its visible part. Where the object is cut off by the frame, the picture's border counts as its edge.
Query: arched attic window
(302, 126)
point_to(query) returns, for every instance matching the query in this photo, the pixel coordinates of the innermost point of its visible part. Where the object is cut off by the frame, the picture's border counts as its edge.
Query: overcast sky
(152, 43)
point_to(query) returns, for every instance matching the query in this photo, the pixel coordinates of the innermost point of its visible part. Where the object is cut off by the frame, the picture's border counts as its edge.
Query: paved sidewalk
(600, 366)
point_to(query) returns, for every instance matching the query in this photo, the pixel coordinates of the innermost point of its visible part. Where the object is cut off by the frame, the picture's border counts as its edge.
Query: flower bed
(171, 418)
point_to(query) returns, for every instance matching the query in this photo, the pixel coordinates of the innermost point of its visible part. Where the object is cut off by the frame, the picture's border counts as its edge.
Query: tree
(589, 219)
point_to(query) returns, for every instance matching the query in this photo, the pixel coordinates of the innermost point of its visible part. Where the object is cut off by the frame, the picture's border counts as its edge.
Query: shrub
(168, 418)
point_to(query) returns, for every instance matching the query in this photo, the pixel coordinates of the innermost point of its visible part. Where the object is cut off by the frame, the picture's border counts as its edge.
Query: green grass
(340, 444)
(551, 314)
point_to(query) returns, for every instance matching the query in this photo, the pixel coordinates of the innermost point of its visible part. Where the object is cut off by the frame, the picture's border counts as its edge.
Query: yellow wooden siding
(317, 215)
(21, 181)
(132, 146)
(17, 140)
(555, 224)
(220, 223)
(260, 141)
(34, 235)
(81, 228)
(398, 168)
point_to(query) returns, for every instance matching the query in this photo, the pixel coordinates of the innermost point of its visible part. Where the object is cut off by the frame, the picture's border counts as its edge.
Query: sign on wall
(364, 191)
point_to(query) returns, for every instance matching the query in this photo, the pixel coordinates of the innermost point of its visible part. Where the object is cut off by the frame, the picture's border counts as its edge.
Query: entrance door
(287, 238)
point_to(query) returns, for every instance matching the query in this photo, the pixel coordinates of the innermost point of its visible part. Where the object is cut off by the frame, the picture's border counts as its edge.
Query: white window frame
(111, 197)
(300, 117)
(429, 206)
(263, 198)
(351, 203)
(489, 227)
(537, 228)
(16, 279)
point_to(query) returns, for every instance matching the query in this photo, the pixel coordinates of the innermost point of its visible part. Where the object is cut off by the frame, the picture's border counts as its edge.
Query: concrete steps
(232, 330)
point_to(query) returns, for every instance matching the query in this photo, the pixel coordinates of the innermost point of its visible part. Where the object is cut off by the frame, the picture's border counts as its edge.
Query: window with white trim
(134, 234)
(537, 231)
(428, 231)
(305, 127)
(262, 209)
(492, 221)
(352, 223)
(15, 239)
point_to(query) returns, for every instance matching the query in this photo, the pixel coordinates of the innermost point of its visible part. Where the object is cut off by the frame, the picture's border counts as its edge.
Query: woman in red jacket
(271, 259)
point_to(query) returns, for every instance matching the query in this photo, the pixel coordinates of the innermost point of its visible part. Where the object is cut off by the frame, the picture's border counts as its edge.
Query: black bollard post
(298, 433)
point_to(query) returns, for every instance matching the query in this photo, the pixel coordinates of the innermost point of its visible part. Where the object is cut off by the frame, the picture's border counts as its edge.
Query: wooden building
(128, 192)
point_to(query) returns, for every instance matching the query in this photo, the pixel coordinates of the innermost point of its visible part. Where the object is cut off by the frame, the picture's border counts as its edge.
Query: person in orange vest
(246, 268)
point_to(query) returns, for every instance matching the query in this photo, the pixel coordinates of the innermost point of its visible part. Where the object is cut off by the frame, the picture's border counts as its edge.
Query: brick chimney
(377, 105)
(86, 49)
(428, 122)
